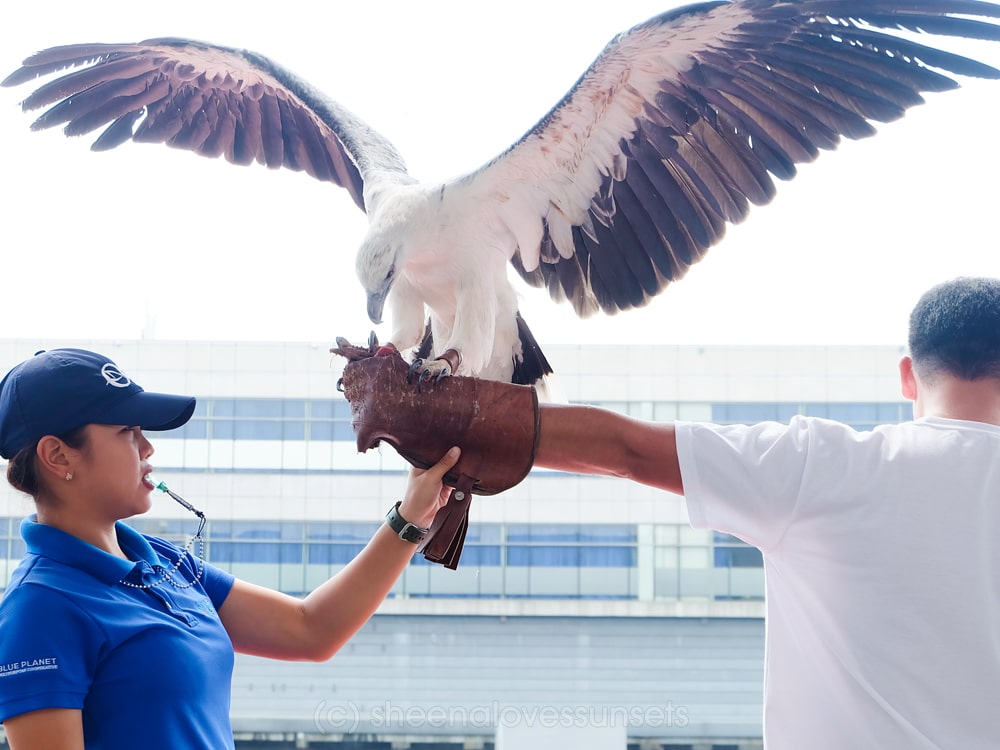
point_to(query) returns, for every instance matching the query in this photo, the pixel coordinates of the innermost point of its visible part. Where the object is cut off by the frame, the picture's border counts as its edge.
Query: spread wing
(679, 126)
(682, 123)
(213, 100)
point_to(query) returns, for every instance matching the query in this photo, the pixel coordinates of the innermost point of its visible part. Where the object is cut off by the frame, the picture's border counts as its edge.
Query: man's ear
(53, 458)
(907, 379)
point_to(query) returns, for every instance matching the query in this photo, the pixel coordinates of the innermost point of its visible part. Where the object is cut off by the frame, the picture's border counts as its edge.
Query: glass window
(329, 409)
(607, 557)
(731, 552)
(331, 431)
(482, 547)
(853, 414)
(275, 408)
(194, 429)
(332, 553)
(892, 413)
(222, 407)
(167, 528)
(331, 543)
(665, 411)
(744, 413)
(15, 544)
(613, 533)
(751, 412)
(857, 414)
(641, 409)
(618, 406)
(257, 429)
(559, 545)
(250, 542)
(543, 556)
(473, 556)
(544, 560)
(321, 409)
(254, 552)
(480, 555)
(340, 531)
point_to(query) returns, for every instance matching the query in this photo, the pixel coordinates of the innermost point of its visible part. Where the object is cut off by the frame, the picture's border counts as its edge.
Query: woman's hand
(425, 493)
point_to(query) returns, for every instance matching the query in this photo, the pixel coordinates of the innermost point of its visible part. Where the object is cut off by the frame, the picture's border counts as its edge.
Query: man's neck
(953, 398)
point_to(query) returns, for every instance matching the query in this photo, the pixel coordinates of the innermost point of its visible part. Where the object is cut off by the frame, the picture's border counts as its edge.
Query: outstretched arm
(590, 440)
(269, 623)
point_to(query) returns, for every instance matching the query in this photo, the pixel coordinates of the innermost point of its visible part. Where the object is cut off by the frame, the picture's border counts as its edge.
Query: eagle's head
(376, 268)
(396, 211)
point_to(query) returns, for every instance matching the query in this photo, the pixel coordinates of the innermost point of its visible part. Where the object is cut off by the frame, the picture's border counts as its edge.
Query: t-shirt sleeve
(48, 652)
(743, 480)
(217, 583)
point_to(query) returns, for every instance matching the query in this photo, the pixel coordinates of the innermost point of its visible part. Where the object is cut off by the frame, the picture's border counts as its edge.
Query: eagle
(679, 126)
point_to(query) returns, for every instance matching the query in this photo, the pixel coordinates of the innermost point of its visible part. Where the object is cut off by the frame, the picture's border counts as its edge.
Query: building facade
(579, 601)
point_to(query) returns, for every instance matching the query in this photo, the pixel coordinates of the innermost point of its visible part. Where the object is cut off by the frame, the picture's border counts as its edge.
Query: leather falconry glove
(495, 424)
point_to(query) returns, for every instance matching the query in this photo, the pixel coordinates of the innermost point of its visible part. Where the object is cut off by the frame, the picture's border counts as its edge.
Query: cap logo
(114, 376)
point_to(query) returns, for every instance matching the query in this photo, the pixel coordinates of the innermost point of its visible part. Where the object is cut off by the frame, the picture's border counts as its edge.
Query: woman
(112, 639)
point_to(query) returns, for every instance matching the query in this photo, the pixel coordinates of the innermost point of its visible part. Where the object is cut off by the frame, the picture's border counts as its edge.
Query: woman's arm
(268, 623)
(590, 440)
(46, 729)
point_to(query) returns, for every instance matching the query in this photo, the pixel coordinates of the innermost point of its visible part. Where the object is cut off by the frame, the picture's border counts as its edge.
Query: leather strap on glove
(495, 424)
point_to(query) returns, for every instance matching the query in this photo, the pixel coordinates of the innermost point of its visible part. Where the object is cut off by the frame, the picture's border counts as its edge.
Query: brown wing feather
(212, 100)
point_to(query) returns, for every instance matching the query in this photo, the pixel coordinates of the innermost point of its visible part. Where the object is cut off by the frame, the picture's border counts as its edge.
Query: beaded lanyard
(168, 575)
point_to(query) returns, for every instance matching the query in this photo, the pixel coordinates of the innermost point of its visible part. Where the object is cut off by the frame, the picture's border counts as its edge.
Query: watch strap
(408, 532)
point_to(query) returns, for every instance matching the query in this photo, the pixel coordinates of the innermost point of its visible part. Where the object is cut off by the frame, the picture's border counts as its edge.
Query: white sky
(150, 239)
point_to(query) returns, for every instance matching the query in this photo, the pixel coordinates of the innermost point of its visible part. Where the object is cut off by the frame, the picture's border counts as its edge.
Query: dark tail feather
(533, 365)
(427, 343)
(528, 370)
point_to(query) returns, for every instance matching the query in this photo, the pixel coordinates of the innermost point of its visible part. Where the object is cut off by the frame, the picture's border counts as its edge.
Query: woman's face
(113, 469)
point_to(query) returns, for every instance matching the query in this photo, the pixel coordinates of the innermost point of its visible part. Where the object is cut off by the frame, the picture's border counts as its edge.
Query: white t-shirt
(882, 565)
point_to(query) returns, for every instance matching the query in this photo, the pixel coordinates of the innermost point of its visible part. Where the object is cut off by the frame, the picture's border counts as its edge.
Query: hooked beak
(376, 301)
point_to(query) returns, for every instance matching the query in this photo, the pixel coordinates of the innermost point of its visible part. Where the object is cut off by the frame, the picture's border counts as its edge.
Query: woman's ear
(53, 456)
(907, 379)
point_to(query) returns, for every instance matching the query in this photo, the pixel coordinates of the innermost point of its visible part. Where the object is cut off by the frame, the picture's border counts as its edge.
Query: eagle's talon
(429, 371)
(415, 368)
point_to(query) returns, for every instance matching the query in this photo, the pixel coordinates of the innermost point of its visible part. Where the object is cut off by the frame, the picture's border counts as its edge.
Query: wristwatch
(408, 532)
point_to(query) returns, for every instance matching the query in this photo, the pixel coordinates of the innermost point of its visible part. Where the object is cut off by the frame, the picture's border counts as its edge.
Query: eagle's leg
(443, 366)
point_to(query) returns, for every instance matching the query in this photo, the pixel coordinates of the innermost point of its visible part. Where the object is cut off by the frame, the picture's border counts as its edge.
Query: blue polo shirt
(149, 668)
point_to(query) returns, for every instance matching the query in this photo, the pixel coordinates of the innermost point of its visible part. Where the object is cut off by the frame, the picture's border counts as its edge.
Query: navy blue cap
(60, 390)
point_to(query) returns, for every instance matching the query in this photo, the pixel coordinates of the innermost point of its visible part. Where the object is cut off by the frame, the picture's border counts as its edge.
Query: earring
(69, 476)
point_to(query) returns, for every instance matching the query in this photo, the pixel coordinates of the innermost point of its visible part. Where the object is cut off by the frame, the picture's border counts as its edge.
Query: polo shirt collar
(56, 544)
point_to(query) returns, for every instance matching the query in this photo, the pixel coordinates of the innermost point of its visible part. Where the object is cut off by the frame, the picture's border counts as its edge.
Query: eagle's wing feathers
(206, 98)
(682, 123)
(676, 130)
